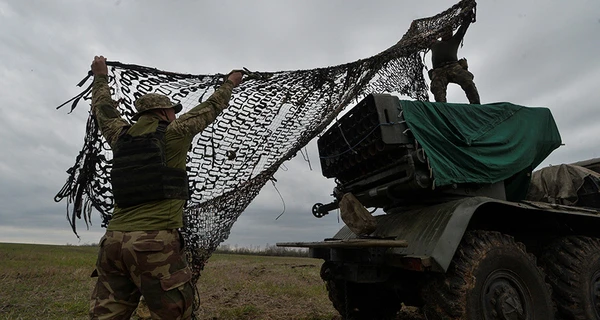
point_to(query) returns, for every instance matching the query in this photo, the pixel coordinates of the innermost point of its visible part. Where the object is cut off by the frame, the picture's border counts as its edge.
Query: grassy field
(53, 282)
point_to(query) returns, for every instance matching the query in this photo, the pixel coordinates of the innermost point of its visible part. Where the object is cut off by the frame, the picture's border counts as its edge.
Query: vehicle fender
(433, 231)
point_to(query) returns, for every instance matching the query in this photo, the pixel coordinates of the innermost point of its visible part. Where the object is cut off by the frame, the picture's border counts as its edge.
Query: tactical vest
(140, 173)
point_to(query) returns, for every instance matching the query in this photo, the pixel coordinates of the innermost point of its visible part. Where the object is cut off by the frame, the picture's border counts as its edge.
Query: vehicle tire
(572, 265)
(491, 277)
(360, 301)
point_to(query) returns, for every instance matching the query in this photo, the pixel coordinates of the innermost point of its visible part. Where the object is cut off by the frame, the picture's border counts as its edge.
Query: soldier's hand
(235, 76)
(99, 66)
(469, 16)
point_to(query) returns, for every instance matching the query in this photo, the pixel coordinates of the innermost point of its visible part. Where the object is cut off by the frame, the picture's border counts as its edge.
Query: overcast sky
(533, 53)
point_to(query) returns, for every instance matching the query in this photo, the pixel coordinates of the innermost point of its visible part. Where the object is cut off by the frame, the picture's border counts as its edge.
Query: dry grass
(254, 287)
(45, 282)
(53, 282)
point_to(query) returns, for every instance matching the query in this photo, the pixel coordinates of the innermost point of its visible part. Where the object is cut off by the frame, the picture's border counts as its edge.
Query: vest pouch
(463, 63)
(172, 180)
(137, 185)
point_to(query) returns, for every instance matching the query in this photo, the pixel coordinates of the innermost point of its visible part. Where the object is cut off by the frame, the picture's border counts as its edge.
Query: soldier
(141, 251)
(446, 66)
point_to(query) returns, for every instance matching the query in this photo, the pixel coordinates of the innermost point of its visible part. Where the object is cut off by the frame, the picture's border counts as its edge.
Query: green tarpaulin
(482, 144)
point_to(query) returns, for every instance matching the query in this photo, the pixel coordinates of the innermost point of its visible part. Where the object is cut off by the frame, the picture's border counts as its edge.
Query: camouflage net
(269, 119)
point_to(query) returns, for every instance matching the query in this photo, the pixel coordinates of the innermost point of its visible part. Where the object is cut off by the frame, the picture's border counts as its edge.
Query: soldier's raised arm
(199, 117)
(104, 107)
(460, 33)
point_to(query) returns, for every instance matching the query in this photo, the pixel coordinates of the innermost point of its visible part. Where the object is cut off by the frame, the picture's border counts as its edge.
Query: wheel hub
(505, 297)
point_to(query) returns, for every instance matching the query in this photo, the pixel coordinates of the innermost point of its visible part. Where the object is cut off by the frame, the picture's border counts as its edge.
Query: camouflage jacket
(162, 214)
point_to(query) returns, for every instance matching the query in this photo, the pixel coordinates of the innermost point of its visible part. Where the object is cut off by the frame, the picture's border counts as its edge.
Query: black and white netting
(271, 116)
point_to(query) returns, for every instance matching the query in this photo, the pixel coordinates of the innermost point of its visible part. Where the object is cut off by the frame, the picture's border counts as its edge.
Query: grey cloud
(520, 51)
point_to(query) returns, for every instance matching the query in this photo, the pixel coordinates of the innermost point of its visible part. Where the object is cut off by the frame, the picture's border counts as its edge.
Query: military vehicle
(468, 231)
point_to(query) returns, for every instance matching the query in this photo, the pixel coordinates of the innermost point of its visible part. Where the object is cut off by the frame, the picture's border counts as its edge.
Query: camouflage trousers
(148, 263)
(453, 73)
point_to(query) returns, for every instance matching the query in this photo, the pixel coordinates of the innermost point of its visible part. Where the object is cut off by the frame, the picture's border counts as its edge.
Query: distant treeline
(268, 250)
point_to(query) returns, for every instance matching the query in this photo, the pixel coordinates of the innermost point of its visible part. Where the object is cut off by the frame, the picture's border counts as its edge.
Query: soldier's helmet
(152, 101)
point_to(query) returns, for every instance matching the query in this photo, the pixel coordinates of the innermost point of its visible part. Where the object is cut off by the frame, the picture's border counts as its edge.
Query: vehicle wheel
(573, 268)
(358, 301)
(491, 277)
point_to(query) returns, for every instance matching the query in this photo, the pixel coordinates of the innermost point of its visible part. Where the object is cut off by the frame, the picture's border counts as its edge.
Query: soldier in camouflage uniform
(447, 68)
(141, 252)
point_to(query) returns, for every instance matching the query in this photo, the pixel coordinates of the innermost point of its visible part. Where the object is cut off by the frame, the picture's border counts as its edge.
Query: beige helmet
(152, 101)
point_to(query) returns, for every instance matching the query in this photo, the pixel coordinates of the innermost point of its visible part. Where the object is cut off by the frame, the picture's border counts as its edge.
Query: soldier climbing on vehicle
(446, 66)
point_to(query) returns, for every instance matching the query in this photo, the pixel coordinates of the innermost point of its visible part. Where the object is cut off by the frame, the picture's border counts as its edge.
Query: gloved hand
(469, 17)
